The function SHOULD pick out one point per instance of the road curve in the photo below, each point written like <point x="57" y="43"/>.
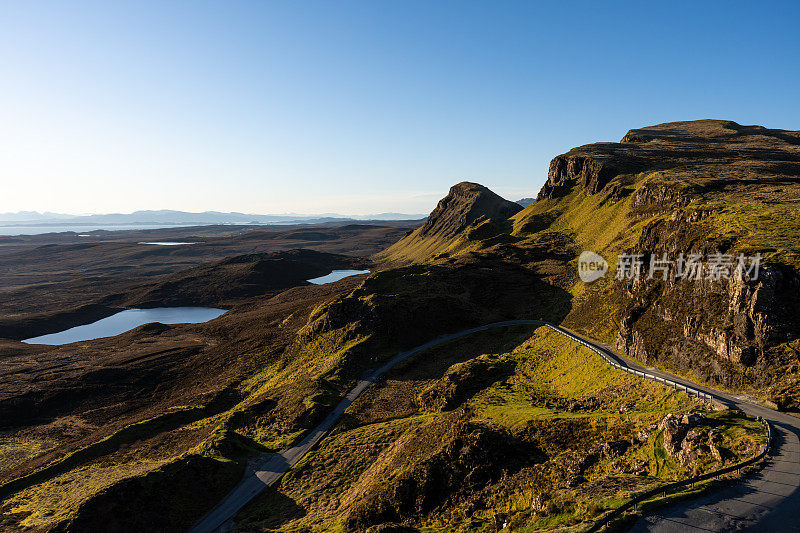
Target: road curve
<point x="767" y="502"/>
<point x="270" y="467"/>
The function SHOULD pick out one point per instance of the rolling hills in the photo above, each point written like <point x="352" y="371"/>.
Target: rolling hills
<point x="513" y="426"/>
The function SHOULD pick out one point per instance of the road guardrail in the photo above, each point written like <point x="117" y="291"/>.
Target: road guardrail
<point x="670" y="487"/>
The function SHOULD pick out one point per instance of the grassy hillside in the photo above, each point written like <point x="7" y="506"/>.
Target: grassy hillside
<point x="705" y="187"/>
<point x="260" y="377"/>
<point x="467" y="206"/>
<point x="536" y="430"/>
<point x="518" y="426"/>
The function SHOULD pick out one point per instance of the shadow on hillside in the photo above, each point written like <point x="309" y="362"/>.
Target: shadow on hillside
<point x="270" y="510"/>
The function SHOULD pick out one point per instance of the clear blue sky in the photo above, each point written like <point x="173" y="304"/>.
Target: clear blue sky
<point x="358" y="107"/>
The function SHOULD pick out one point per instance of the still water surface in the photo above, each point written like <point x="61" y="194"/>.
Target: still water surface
<point x="38" y="230"/>
<point x="336" y="275"/>
<point x="165" y="243"/>
<point x="126" y="321"/>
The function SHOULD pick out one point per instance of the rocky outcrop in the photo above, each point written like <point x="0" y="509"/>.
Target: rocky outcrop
<point x="660" y="197"/>
<point x="718" y="328"/>
<point x="704" y="187"/>
<point x="674" y="432"/>
<point x="590" y="172"/>
<point x="686" y="439"/>
<point x="466" y="205"/>
<point x="715" y="152"/>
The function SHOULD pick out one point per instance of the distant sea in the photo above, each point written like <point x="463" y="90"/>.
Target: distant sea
<point x="38" y="230"/>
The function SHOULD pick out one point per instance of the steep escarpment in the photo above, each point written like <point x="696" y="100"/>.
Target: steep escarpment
<point x="713" y="190"/>
<point x="710" y="189"/>
<point x="712" y="152"/>
<point x="590" y="169"/>
<point x="466" y="205"/>
<point x="737" y="330"/>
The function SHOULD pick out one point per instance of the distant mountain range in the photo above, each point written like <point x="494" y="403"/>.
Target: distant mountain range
<point x="525" y="202"/>
<point x="185" y="218"/>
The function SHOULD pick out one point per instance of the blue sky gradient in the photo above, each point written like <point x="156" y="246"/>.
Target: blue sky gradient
<point x="358" y="107"/>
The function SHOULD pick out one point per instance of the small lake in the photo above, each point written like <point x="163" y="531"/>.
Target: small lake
<point x="336" y="275"/>
<point x="126" y="321"/>
<point x="168" y="243"/>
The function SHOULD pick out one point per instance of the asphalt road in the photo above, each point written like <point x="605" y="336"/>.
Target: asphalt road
<point x="767" y="502"/>
<point x="270" y="467"/>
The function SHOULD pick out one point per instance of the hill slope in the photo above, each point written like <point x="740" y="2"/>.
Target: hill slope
<point x="704" y="187"/>
<point x="466" y="205"/>
<point x="235" y="278"/>
<point x="514" y="425"/>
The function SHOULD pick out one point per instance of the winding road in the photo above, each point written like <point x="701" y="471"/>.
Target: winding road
<point x="768" y="501"/>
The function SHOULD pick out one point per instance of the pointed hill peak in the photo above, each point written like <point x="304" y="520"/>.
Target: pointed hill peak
<point x="465" y="204"/>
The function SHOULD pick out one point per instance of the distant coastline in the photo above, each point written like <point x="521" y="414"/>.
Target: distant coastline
<point x="39" y="229"/>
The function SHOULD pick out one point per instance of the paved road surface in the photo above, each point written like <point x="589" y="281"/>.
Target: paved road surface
<point x="272" y="466"/>
<point x="768" y="502"/>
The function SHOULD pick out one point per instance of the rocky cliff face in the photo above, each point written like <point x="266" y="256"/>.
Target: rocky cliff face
<point x="590" y="172"/>
<point x="737" y="318"/>
<point x="466" y="205"/>
<point x="709" y="151"/>
<point x="708" y="188"/>
<point x="704" y="187"/>
<point x="719" y="329"/>
<point x="463" y="206"/>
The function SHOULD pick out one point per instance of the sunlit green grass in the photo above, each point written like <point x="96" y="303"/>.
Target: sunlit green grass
<point x="549" y="367"/>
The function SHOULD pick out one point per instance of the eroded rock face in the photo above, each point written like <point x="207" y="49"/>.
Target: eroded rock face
<point x="686" y="181"/>
<point x="687" y="440"/>
<point x="660" y="197"/>
<point x="721" y="329"/>
<point x="702" y="149"/>
<point x="674" y="432"/>
<point x="693" y="447"/>
<point x="717" y="328"/>
<point x="592" y="173"/>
